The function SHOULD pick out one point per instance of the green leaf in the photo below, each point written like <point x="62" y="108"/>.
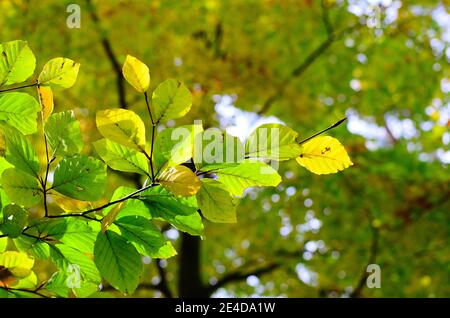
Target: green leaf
<point x="136" y="73"/>
<point x="17" y="62"/>
<point x="162" y="204"/>
<point x="216" y="203"/>
<point x="20" y="153"/>
<point x="145" y="236"/>
<point x="238" y="177"/>
<point x="122" y="126"/>
<point x="218" y="147"/>
<point x="19" y="110"/>
<point x="15" y="219"/>
<point x="59" y="73"/>
<point x="64" y="133"/>
<point x="57" y="284"/>
<point x="70" y="259"/>
<point x="130" y="206"/>
<point x="80" y="177"/>
<point x="172" y="100"/>
<point x="175" y="145"/>
<point x="118" y="261"/>
<point x="21" y="188"/>
<point x="274" y="142"/>
<point x="121" y="158"/>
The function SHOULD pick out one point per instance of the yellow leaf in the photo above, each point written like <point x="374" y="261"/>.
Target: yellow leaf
<point x="19" y="264"/>
<point x="180" y="180"/>
<point x="46" y="99"/>
<point x="122" y="126"/>
<point x="110" y="217"/>
<point x="136" y="73"/>
<point x="324" y="155"/>
<point x="69" y="204"/>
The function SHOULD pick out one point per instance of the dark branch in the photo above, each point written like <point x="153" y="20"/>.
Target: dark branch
<point x="326" y="18"/>
<point x="239" y="275"/>
<point x="107" y="47"/>
<point x="34" y="292"/>
<point x="99" y="208"/>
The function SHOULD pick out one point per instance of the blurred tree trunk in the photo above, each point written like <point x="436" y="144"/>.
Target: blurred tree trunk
<point x="189" y="276"/>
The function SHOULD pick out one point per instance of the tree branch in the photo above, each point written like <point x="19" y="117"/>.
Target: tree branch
<point x="18" y="87"/>
<point x="83" y="214"/>
<point x="326" y="18"/>
<point x="107" y="47"/>
<point x="239" y="275"/>
<point x="34" y="292"/>
<point x="307" y="62"/>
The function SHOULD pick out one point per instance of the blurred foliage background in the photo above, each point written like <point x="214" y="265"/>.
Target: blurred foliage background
<point x="306" y="63"/>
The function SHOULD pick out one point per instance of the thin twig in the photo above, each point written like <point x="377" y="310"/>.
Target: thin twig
<point x="84" y="214"/>
<point x="322" y="131"/>
<point x="150" y="158"/>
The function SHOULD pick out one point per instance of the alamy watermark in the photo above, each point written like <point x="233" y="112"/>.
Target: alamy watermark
<point x="73" y="20"/>
<point x="374" y="278"/>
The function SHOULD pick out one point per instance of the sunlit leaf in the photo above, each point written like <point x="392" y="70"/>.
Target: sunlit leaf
<point x="216" y="203"/>
<point x="20" y="153"/>
<point x="80" y="177"/>
<point x="171" y="100"/>
<point x="121" y="158"/>
<point x="122" y="126"/>
<point x="64" y="133"/>
<point x="19" y="110"/>
<point x="118" y="261"/>
<point x="17" y="62"/>
<point x="21" y="188"/>
<point x="180" y="180"/>
<point x="324" y="155"/>
<point x="238" y="177"/>
<point x="136" y="73"/>
<point x="273" y="141"/>
<point x="145" y="236"/>
<point x="46" y="98"/>
<point x="59" y="73"/>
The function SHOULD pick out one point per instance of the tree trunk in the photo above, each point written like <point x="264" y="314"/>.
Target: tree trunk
<point x="189" y="278"/>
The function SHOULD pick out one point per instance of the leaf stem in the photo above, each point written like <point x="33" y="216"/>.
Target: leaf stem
<point x="150" y="158"/>
<point x="322" y="131"/>
<point x="47" y="168"/>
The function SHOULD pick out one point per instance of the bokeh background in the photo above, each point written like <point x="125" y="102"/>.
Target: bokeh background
<point x="306" y="63"/>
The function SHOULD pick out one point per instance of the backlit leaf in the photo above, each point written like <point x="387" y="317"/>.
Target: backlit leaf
<point x="216" y="203"/>
<point x="15" y="219"/>
<point x="118" y="261"/>
<point x="180" y="180"/>
<point x="324" y="155"/>
<point x="136" y="73"/>
<point x="122" y="126"/>
<point x="46" y="98"/>
<point x="121" y="158"/>
<point x="17" y="62"/>
<point x="80" y="177"/>
<point x="19" y="110"/>
<point x="171" y="100"/>
<point x="64" y="133"/>
<point x="21" y="188"/>
<point x="59" y="73"/>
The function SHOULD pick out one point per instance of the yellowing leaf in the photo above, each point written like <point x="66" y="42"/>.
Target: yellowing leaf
<point x="122" y="126"/>
<point x="324" y="155"/>
<point x="59" y="73"/>
<point x="180" y="180"/>
<point x="46" y="98"/>
<point x="19" y="264"/>
<point x="136" y="73"/>
<point x="69" y="204"/>
<point x="110" y="217"/>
